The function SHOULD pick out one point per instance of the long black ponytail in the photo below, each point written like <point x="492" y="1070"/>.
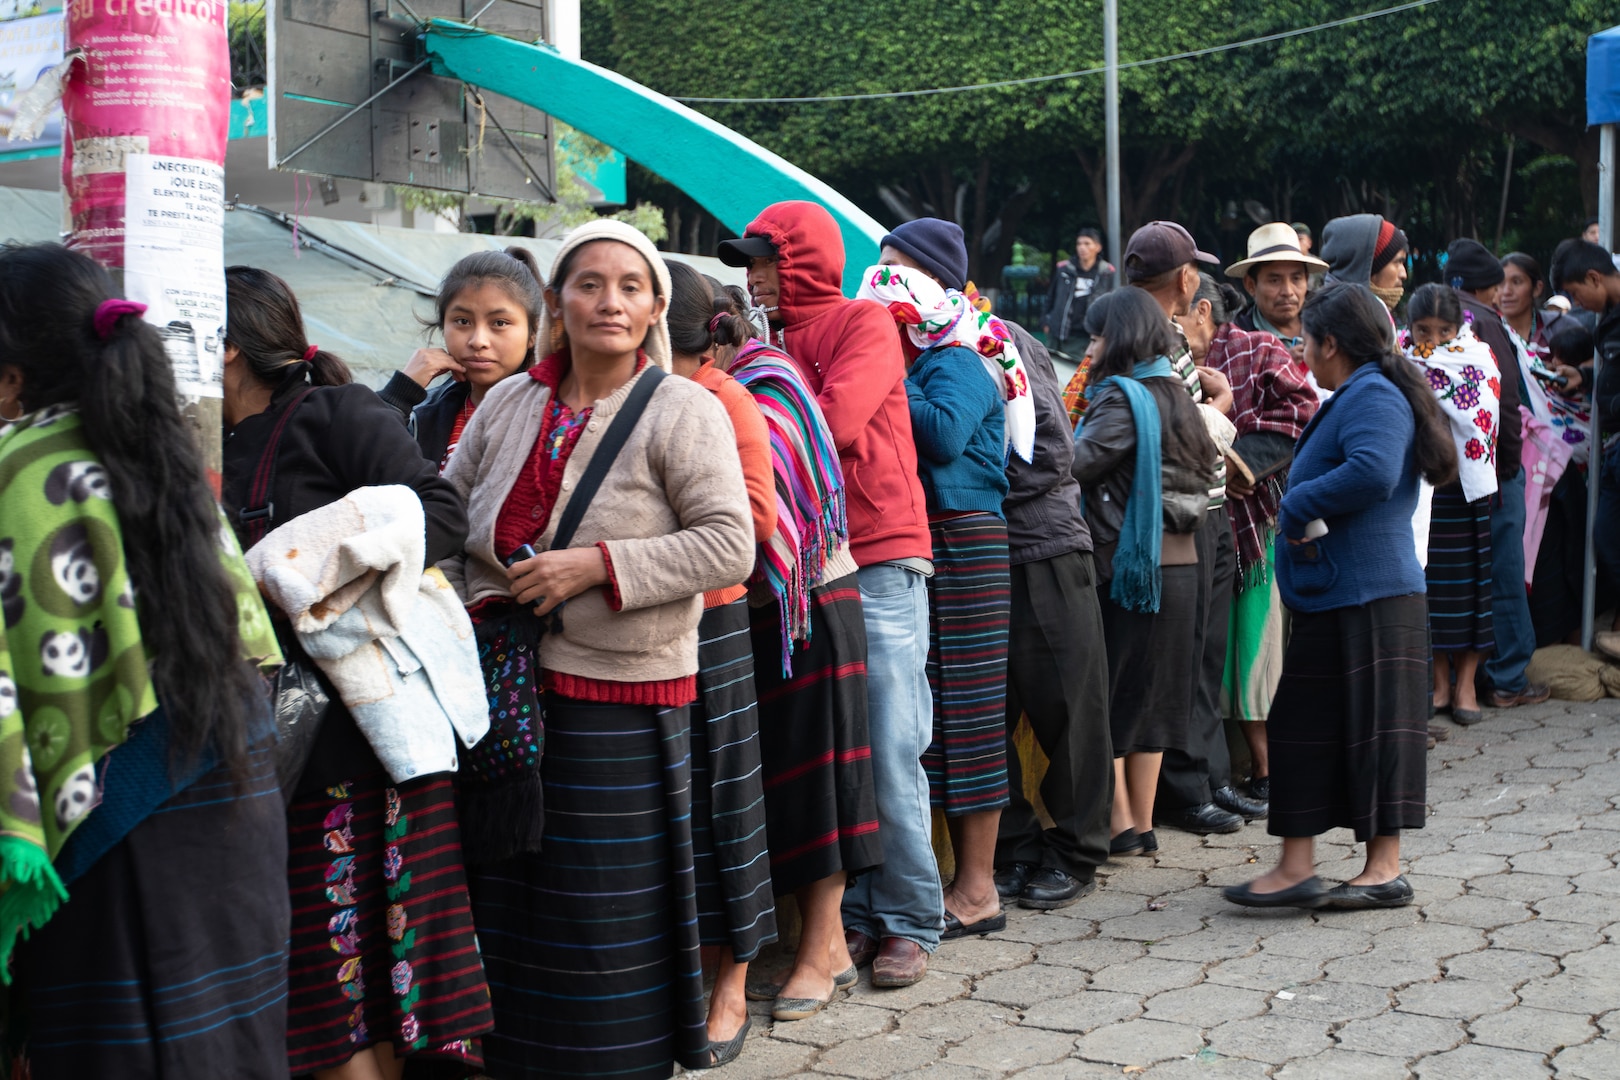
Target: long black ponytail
<point x="1359" y="323"/>
<point x="125" y="390"/>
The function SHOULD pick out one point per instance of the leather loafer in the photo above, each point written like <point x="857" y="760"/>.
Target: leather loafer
<point x="1310" y="893"/>
<point x="1207" y="818"/>
<point x="1051" y="888"/>
<point x="1347" y="897"/>
<point x="1150" y="843"/>
<point x="899" y="963"/>
<point x="1532" y="694"/>
<point x="1128" y="842"/>
<point x="861" y="948"/>
<point x="1010" y="880"/>
<point x="1231" y="800"/>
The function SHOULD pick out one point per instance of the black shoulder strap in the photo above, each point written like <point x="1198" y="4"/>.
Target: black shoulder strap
<point x="255" y="518"/>
<point x="606" y="451"/>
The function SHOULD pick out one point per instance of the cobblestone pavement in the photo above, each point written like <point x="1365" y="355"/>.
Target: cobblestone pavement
<point x="1507" y="966"/>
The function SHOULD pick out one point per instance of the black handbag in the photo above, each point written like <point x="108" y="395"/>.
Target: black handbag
<point x="502" y="802"/>
<point x="300" y="696"/>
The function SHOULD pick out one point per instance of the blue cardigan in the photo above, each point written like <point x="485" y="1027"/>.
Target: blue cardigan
<point x="958" y="420"/>
<point x="1354" y="469"/>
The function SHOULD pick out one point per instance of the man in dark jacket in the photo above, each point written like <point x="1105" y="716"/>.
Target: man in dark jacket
<point x="1587" y="273"/>
<point x="1074" y="286"/>
<point x="1477" y="275"/>
<point x="1056" y="674"/>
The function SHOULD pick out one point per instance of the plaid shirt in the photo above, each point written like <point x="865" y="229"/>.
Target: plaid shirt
<point x="1270" y="393"/>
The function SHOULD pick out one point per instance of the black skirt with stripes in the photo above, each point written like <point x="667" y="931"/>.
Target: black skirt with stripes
<point x="733" y="868"/>
<point x="170" y="956"/>
<point x="820" y="805"/>
<point x="383" y="948"/>
<point x="591" y="944"/>
<point x="1349" y="726"/>
<point x="969" y="608"/>
<point x="1459" y="572"/>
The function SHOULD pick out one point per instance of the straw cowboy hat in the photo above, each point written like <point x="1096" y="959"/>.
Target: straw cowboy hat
<point x="1276" y="242"/>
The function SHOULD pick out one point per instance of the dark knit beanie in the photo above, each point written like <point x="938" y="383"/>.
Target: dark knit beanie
<point x="1471" y="266"/>
<point x="936" y="246"/>
<point x="1391" y="242"/>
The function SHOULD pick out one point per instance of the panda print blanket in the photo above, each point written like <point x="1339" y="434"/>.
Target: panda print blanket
<point x="73" y="671"/>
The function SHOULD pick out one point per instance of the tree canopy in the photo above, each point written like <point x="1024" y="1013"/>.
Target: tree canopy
<point x="1413" y="115"/>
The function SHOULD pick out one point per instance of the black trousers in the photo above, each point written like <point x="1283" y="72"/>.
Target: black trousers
<point x="1186" y="778"/>
<point x="1057" y="675"/>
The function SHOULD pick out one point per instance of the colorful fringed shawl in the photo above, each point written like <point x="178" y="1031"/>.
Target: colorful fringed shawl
<point x="810" y="521"/>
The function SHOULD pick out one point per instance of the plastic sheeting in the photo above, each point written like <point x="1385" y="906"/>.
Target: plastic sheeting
<point x="372" y="318"/>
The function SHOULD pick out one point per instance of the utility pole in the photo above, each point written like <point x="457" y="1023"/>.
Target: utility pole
<point x="146" y="115"/>
<point x="1116" y="243"/>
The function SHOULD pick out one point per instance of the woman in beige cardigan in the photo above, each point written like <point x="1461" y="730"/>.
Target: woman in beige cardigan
<point x="589" y="931"/>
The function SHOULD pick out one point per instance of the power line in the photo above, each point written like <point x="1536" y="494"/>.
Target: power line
<point x="1279" y="36"/>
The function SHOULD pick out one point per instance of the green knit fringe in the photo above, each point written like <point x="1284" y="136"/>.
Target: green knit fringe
<point x="30" y="893"/>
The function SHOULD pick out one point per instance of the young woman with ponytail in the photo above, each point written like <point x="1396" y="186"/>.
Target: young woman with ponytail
<point x="138" y="799"/>
<point x="1348" y="729"/>
<point x="809" y="645"/>
<point x="735" y="912"/>
<point x="384" y="960"/>
<point x="488" y="315"/>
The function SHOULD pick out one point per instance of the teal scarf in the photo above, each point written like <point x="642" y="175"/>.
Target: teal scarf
<point x="1136" y="561"/>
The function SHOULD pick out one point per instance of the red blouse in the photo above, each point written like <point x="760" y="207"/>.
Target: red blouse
<point x="526" y="513"/>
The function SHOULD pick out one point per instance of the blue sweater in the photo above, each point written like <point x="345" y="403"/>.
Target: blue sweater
<point x="1354" y="469"/>
<point x="958" y="420"/>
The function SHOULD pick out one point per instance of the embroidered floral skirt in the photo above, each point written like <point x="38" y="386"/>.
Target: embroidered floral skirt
<point x="382" y="934"/>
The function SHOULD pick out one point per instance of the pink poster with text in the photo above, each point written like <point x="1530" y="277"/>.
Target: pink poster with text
<point x="155" y="80"/>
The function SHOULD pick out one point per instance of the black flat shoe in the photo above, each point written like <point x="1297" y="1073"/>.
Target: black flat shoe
<point x="1128" y="842"/>
<point x="1260" y="788"/>
<point x="955" y="928"/>
<point x="1010" y="880"/>
<point x="1051" y="888"/>
<point x="1310" y="893"/>
<point x="727" y="1052"/>
<point x="1235" y="802"/>
<point x="1207" y="818"/>
<point x="1347" y="897"/>
<point x="1150" y="843"/>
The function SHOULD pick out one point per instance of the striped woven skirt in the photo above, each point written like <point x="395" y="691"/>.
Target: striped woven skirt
<point x="733" y="868"/>
<point x="1349" y="730"/>
<point x="169" y="958"/>
<point x="383" y="948"/>
<point x="820" y="804"/>
<point x="592" y="944"/>
<point x="969" y="605"/>
<point x="1459" y="572"/>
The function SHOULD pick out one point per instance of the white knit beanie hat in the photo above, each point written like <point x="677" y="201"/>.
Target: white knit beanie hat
<point x="657" y="343"/>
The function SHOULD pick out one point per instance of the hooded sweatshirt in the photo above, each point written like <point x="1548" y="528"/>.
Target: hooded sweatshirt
<point x="1348" y="244"/>
<point x="850" y="357"/>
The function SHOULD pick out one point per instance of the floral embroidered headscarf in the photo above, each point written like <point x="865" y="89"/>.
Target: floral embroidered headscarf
<point x="933" y="315"/>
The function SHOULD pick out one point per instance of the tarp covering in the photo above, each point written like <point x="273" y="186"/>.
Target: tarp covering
<point x="371" y="317"/>
<point x="1603" y="77"/>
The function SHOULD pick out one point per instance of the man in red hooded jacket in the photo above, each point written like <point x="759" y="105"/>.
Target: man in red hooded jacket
<point x="850" y="356"/>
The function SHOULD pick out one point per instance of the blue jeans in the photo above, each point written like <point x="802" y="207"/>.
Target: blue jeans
<point x="1510" y="607"/>
<point x="902" y="898"/>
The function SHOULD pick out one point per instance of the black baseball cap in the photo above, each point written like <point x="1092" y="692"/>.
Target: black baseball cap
<point x="1160" y="246"/>
<point x="745" y="250"/>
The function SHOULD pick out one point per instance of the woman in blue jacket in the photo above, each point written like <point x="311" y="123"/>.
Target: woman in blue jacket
<point x="959" y="421"/>
<point x="1349" y="725"/>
